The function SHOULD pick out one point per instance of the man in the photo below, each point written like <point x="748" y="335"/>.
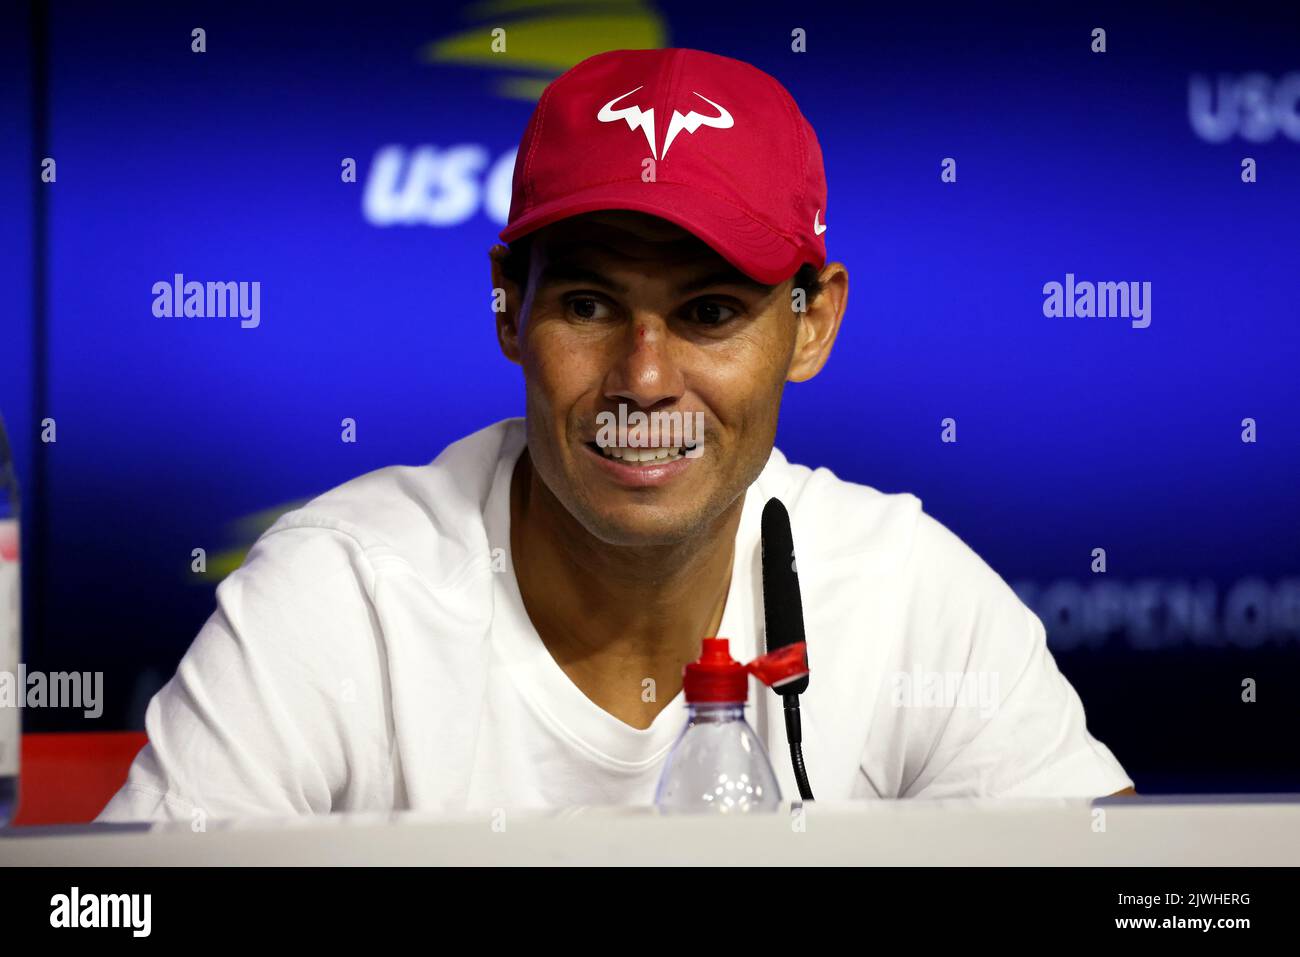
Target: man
<point x="507" y="626"/>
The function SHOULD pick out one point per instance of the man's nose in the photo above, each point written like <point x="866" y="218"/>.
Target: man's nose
<point x="645" y="372"/>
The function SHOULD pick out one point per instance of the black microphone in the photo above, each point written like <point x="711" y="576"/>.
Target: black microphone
<point x="782" y="604"/>
<point x="783" y="622"/>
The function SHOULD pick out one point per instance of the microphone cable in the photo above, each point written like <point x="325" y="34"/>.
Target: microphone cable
<point x="794" y="734"/>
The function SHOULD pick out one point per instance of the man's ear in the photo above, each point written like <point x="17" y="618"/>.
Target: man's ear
<point x="819" y="324"/>
<point x="507" y="303"/>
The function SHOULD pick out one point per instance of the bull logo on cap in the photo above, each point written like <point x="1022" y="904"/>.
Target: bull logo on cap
<point x="635" y="117"/>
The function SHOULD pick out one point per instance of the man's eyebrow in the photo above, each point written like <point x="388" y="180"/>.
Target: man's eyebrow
<point x="559" y="271"/>
<point x="554" y="272"/>
<point x="726" y="277"/>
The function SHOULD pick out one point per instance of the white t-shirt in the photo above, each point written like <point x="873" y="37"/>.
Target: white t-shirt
<point x="373" y="653"/>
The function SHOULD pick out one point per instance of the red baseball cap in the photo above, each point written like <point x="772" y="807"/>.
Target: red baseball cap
<point x="733" y="160"/>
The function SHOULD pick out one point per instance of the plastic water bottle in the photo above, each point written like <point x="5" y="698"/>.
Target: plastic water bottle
<point x="718" y="765"/>
<point x="10" y="633"/>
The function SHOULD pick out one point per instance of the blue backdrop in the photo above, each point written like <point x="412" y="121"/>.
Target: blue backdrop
<point x="1072" y="433"/>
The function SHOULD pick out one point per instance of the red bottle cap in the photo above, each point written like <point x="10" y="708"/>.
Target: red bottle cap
<point x="716" y="676"/>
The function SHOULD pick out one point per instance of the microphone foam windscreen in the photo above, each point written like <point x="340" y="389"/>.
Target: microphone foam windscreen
<point x="782" y="603"/>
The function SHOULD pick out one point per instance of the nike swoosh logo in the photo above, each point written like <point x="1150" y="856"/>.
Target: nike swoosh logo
<point x="818" y="228"/>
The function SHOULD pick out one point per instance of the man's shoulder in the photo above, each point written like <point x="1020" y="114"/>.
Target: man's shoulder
<point x="835" y="519"/>
<point x="879" y="533"/>
<point x="428" y="515"/>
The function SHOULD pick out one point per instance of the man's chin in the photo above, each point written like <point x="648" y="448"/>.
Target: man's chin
<point x="640" y="525"/>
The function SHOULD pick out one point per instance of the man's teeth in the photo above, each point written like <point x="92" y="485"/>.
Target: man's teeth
<point x="642" y="455"/>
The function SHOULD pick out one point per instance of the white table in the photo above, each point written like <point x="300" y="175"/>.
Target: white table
<point x="1207" y="831"/>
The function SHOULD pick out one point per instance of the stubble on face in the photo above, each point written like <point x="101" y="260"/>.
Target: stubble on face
<point x="650" y="355"/>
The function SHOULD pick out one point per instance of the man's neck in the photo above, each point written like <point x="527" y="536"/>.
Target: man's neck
<point x="615" y="616"/>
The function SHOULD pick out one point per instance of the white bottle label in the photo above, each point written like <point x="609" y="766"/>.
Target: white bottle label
<point x="10" y="635"/>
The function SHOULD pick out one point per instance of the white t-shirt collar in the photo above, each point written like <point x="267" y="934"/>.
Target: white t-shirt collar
<point x="540" y="678"/>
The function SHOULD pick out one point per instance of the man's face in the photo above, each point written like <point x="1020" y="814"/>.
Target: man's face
<point x="624" y="308"/>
